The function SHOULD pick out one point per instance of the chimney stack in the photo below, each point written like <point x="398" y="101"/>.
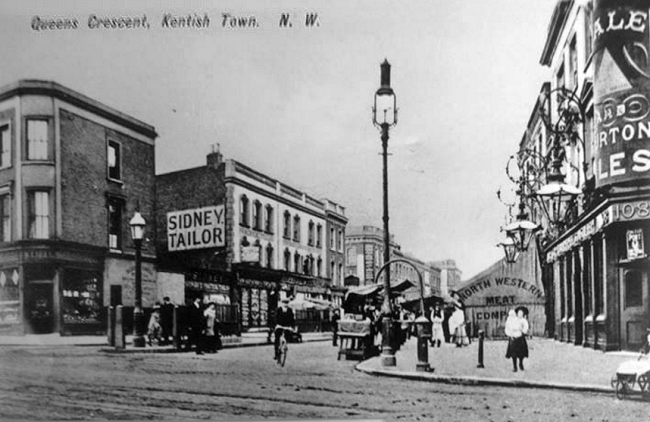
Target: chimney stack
<point x="215" y="158"/>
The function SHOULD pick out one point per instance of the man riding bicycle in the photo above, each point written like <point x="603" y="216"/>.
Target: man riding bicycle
<point x="284" y="322"/>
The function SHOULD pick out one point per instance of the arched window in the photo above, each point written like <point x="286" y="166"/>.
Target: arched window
<point x="319" y="267"/>
<point x="319" y="235"/>
<point x="339" y="240"/>
<point x="332" y="271"/>
<point x="268" y="219"/>
<point x="243" y="210"/>
<point x="287" y="225"/>
<point x="310" y="234"/>
<point x="257" y="215"/>
<point x="332" y="239"/>
<point x="296" y="228"/>
<point x="340" y="274"/>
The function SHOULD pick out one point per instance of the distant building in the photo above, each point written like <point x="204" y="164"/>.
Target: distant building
<point x="72" y="173"/>
<point x="365" y="257"/>
<point x="450" y="275"/>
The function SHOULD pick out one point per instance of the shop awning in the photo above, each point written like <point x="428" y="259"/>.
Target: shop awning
<point x="364" y="291"/>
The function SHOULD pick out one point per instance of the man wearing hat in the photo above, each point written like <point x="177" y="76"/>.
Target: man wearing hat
<point x="284" y="321"/>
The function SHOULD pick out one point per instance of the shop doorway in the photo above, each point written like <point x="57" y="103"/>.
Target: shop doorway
<point x="40" y="308"/>
<point x="635" y="308"/>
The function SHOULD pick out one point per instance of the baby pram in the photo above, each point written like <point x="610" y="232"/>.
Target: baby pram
<point x="633" y="376"/>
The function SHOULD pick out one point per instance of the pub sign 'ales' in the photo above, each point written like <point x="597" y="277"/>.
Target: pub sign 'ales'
<point x="621" y="145"/>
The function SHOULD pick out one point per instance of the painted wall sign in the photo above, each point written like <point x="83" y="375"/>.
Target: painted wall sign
<point x="500" y="291"/>
<point x="621" y="147"/>
<point x="250" y="254"/>
<point x="196" y="228"/>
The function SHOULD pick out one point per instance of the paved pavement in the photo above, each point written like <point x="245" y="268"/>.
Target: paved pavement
<point x="551" y="364"/>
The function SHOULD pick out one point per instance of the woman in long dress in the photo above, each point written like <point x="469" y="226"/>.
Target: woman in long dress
<point x="516" y="330"/>
<point x="457" y="326"/>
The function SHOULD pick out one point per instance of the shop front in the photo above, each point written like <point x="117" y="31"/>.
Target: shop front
<point x="49" y="287"/>
<point x="600" y="268"/>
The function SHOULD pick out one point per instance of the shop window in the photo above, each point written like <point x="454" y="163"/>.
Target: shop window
<point x="5" y="147"/>
<point x="81" y="297"/>
<point x="5" y="218"/>
<point x="243" y="210"/>
<point x="37" y="139"/>
<point x="114" y="160"/>
<point x="268" y="219"/>
<point x="633" y="289"/>
<point x="9" y="296"/>
<point x="115" y="210"/>
<point x="38" y="216"/>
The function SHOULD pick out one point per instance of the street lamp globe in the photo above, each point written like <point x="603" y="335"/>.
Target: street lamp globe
<point x="384" y="111"/>
<point x="509" y="249"/>
<point x="137" y="224"/>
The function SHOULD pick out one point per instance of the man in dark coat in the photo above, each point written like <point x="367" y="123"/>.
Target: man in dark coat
<point x="283" y="319"/>
<point x="335" y="326"/>
<point x="166" y="319"/>
<point x="196" y="326"/>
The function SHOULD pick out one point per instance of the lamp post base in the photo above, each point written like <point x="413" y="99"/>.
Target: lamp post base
<point x="387" y="351"/>
<point x="138" y="325"/>
<point x="388" y="360"/>
<point x="423" y="367"/>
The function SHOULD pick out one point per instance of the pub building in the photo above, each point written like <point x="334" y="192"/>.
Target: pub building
<point x="597" y="261"/>
<point x="72" y="173"/>
<point x="245" y="240"/>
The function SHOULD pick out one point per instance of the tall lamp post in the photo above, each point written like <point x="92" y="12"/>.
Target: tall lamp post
<point x="384" y="116"/>
<point x="137" y="224"/>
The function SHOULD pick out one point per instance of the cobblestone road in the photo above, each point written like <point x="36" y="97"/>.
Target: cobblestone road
<point x="41" y="383"/>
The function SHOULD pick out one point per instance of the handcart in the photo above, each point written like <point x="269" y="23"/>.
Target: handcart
<point x="633" y="376"/>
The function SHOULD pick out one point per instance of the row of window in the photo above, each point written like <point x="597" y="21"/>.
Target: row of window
<point x="260" y="217"/>
<point x="295" y="262"/>
<point x="37" y="147"/>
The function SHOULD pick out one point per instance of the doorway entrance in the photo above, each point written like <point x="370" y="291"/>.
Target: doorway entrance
<point x="635" y="308"/>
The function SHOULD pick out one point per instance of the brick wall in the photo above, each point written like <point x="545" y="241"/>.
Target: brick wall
<point x="85" y="186"/>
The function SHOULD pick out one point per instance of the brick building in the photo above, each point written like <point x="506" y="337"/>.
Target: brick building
<point x="72" y="173"/>
<point x="275" y="241"/>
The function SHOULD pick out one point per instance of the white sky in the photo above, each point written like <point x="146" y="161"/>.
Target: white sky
<point x="296" y="103"/>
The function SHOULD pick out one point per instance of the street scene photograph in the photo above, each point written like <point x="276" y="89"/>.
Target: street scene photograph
<point x="309" y="210"/>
